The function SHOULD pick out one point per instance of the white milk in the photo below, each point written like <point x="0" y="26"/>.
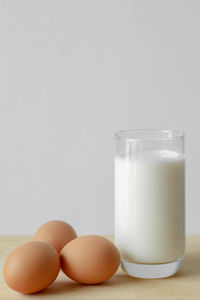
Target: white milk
<point x="149" y="206"/>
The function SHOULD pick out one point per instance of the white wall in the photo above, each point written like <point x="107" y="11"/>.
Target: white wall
<point x="71" y="74"/>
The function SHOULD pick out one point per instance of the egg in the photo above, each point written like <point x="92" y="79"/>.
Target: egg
<point x="31" y="267"/>
<point x="90" y="259"/>
<point x="56" y="233"/>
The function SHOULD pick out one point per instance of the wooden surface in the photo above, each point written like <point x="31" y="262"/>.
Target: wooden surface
<point x="184" y="285"/>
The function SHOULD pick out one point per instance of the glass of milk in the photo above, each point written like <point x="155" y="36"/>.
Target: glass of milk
<point x="150" y="201"/>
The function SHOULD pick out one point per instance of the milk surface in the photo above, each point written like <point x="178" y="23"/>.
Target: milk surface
<point x="149" y="206"/>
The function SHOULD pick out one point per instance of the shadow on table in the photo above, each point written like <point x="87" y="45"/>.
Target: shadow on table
<point x="62" y="286"/>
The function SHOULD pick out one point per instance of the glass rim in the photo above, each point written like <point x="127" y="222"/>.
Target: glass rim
<point x="145" y="135"/>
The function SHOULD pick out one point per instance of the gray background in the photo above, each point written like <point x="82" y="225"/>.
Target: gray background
<point x="71" y="74"/>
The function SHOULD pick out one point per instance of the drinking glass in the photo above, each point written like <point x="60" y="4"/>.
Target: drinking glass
<point x="150" y="201"/>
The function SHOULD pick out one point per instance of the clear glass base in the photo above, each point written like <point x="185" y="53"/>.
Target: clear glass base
<point x="151" y="270"/>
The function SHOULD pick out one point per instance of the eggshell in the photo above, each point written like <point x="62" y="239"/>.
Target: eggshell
<point x="90" y="259"/>
<point x="31" y="267"/>
<point x="56" y="233"/>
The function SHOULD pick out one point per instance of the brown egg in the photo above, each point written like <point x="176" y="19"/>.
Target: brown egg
<point x="90" y="259"/>
<point x="56" y="233"/>
<point x="31" y="267"/>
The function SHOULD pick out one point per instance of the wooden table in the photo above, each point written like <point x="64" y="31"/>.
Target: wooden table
<point x="184" y="285"/>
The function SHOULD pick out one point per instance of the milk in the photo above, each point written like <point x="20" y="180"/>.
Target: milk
<point x="149" y="206"/>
